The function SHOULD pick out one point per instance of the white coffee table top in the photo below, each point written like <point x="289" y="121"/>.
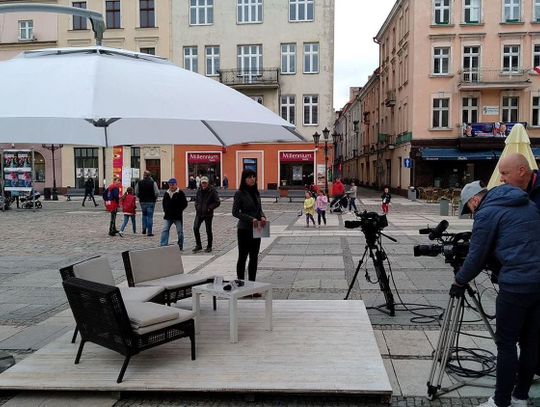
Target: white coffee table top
<point x="249" y="288"/>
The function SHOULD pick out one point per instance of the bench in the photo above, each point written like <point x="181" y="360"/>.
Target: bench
<point x="70" y="192"/>
<point x="296" y="194"/>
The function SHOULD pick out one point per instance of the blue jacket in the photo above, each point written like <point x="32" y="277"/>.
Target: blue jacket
<point x="506" y="225"/>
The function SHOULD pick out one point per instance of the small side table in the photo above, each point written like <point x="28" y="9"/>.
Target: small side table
<point x="249" y="288"/>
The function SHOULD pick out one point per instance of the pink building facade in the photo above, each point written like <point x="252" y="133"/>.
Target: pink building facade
<point x="454" y="76"/>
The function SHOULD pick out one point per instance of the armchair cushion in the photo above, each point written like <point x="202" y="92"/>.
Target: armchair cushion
<point x="174" y="282"/>
<point x="141" y="294"/>
<point x="142" y="314"/>
<point x="155" y="263"/>
<point x="96" y="269"/>
<point x="184" y="315"/>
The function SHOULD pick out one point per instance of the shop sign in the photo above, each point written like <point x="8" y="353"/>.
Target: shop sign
<point x="203" y="158"/>
<point x="296" y="157"/>
<point x="490" y="110"/>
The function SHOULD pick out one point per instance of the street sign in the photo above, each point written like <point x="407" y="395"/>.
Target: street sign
<point x="407" y="163"/>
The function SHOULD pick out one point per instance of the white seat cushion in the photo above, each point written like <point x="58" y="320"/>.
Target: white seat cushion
<point x="158" y="262"/>
<point x="142" y="314"/>
<point x="140" y="294"/>
<point x="183" y="315"/>
<point x="97" y="270"/>
<point x="174" y="282"/>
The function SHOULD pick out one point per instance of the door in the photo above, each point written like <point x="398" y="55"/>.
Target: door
<point x="154" y="166"/>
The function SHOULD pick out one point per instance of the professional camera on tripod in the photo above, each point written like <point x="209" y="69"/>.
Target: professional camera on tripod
<point x="372" y="224"/>
<point x="454" y="247"/>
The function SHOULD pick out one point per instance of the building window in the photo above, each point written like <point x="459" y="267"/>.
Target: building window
<point x="26" y="30"/>
<point x="288" y="58"/>
<point x="536" y="111"/>
<point x="472" y="11"/>
<point x="471" y="63"/>
<point x="510" y="109"/>
<point x="536" y="56"/>
<point x="86" y="165"/>
<point x="311" y="58"/>
<point x="510" y="58"/>
<point x="148" y="50"/>
<point x="441" y="60"/>
<point x="440" y="113"/>
<point x="258" y="99"/>
<point x="311" y="110"/>
<point x="39" y="167"/>
<point x="470" y="110"/>
<point x="79" y="23"/>
<point x="191" y="59"/>
<point x="147" y="13"/>
<point x="301" y="10"/>
<point x="212" y="60"/>
<point x="249" y="61"/>
<point x="201" y="12"/>
<point x="536" y="5"/>
<point x="113" y="14"/>
<point x="441" y="11"/>
<point x="249" y="11"/>
<point x="288" y="108"/>
<point x="512" y="11"/>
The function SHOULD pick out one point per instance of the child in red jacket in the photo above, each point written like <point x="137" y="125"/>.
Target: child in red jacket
<point x="129" y="205"/>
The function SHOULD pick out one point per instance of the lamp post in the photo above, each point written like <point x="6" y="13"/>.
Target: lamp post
<point x="316" y="139"/>
<point x="52" y="148"/>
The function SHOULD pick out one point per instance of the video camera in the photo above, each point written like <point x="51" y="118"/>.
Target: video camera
<point x="453" y="246"/>
<point x="370" y="222"/>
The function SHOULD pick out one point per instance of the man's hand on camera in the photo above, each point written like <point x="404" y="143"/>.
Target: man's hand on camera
<point x="457" y="291"/>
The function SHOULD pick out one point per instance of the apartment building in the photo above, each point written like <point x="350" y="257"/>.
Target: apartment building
<point x="278" y="52"/>
<point x="454" y="77"/>
<point x="346" y="137"/>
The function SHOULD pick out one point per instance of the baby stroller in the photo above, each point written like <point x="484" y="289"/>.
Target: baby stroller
<point x="31" y="199"/>
<point x="340" y="205"/>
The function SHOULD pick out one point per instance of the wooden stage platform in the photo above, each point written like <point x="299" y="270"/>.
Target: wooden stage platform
<point x="315" y="347"/>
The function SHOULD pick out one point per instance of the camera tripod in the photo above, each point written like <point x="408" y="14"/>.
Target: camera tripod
<point x="449" y="330"/>
<point x="377" y="255"/>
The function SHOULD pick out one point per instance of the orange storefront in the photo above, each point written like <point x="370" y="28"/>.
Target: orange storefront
<point x="287" y="165"/>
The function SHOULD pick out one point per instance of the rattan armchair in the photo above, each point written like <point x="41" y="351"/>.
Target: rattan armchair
<point x="102" y="318"/>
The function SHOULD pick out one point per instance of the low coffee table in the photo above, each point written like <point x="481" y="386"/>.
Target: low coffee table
<point x="249" y="288"/>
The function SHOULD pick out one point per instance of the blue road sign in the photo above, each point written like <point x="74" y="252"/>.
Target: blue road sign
<point x="407" y="163"/>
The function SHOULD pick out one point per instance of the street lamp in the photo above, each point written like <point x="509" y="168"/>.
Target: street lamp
<point x="316" y="139"/>
<point x="52" y="148"/>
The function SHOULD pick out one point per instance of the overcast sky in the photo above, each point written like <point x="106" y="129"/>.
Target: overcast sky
<point x="356" y="55"/>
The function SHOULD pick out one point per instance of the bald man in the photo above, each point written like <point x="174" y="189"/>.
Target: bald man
<point x="515" y="171"/>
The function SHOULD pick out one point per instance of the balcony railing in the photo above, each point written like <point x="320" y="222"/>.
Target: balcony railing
<point x="493" y="78"/>
<point x="250" y="78"/>
<point x="390" y="98"/>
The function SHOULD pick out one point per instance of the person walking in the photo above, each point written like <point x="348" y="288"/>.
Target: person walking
<point x="309" y="208"/>
<point x="111" y="198"/>
<point x="174" y="203"/>
<point x="89" y="187"/>
<point x="321" y="204"/>
<point x="353" y="190"/>
<point x="206" y="200"/>
<point x="338" y="191"/>
<point x="147" y="191"/>
<point x="386" y="198"/>
<point x="505" y="228"/>
<point x="129" y="207"/>
<point x="225" y="182"/>
<point x="248" y="209"/>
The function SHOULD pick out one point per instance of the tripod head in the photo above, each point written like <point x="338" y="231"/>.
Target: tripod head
<point x="371" y="224"/>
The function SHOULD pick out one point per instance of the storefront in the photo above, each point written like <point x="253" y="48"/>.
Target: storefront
<point x="296" y="168"/>
<point x="205" y="163"/>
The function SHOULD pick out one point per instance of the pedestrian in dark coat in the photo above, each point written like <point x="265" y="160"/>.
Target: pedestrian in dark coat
<point x="89" y="187"/>
<point x="174" y="203"/>
<point x="206" y="200"/>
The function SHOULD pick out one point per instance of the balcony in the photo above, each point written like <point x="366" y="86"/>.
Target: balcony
<point x="390" y="98"/>
<point x="477" y="79"/>
<point x="249" y="79"/>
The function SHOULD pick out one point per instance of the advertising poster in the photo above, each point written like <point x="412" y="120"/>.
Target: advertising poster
<point x="17" y="166"/>
<point x="118" y="162"/>
<point x="297" y="173"/>
<point x="321" y="180"/>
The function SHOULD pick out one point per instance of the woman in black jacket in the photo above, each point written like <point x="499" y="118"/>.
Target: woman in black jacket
<point x="247" y="208"/>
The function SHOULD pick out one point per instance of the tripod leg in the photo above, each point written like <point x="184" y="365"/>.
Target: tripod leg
<point x="356" y="273"/>
<point x="444" y="344"/>
<point x="478" y="306"/>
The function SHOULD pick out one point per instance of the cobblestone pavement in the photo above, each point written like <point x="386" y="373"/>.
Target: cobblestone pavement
<point x="301" y="263"/>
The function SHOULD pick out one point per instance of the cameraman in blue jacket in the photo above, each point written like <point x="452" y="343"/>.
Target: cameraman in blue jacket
<point x="506" y="225"/>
